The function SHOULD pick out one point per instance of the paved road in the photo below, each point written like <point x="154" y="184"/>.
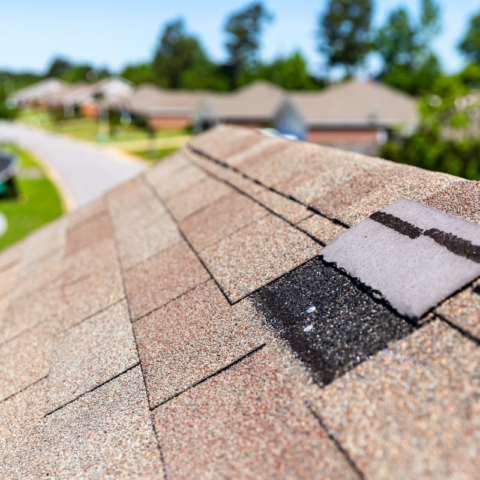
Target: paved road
<point x="85" y="170"/>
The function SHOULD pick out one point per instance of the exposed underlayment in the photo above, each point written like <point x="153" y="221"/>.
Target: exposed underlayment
<point x="224" y="316"/>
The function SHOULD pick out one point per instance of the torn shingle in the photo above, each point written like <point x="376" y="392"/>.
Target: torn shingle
<point x="327" y="320"/>
<point x="415" y="255"/>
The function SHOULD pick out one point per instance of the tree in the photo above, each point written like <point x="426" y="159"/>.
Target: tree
<point x="470" y="45"/>
<point x="244" y="30"/>
<point x="396" y="41"/>
<point x="405" y="47"/>
<point x="139" y="73"/>
<point x="58" y="67"/>
<point x="289" y="72"/>
<point x="177" y="52"/>
<point x="344" y="33"/>
<point x="77" y="73"/>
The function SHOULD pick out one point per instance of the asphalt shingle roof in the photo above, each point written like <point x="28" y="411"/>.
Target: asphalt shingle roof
<point x="187" y="325"/>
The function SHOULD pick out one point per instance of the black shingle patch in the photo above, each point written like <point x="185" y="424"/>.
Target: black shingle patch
<point x="346" y="327"/>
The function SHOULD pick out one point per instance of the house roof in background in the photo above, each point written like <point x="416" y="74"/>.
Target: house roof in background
<point x="257" y="101"/>
<point x="39" y="90"/>
<point x="149" y="99"/>
<point x="187" y="325"/>
<point x="355" y="103"/>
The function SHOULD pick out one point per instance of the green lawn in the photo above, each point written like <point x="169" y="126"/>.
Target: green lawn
<point x="87" y="128"/>
<point x="156" y="155"/>
<point x="37" y="201"/>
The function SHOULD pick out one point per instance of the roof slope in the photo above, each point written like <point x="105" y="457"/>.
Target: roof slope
<point x="356" y="102"/>
<point x="257" y="101"/>
<point x="186" y="325"/>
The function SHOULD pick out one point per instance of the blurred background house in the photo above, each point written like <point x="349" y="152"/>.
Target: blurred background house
<point x="354" y="115"/>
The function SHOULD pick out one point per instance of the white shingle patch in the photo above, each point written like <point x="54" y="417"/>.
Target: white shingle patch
<point x="415" y="255"/>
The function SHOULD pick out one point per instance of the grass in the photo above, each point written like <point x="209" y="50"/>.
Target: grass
<point x="156" y="155"/>
<point x="43" y="203"/>
<point x="87" y="128"/>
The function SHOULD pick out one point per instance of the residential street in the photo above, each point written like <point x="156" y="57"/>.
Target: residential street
<point x="85" y="171"/>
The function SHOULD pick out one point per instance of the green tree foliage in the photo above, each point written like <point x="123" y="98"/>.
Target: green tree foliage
<point x="344" y="33"/>
<point x="404" y="45"/>
<point x="139" y="73"/>
<point x="470" y="45"/>
<point x="8" y="111"/>
<point x="448" y="137"/>
<point x="58" y="67"/>
<point x="177" y="53"/>
<point x="244" y="30"/>
<point x="289" y="72"/>
<point x="79" y="73"/>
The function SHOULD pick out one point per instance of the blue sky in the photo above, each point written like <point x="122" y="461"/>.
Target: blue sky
<point x="117" y="32"/>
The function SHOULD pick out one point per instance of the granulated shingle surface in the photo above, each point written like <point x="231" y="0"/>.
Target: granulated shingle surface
<point x="260" y="149"/>
<point x="87" y="213"/>
<point x="220" y="219"/>
<point x="89" y="232"/>
<point x="244" y="423"/>
<point x="321" y="228"/>
<point x="463" y="309"/>
<point x="413" y="410"/>
<point x="89" y="295"/>
<point x="292" y="211"/>
<point x="40" y="274"/>
<point x="281" y="365"/>
<point x="43" y="243"/>
<point x="24" y="360"/>
<point x="131" y="193"/>
<point x="163" y="278"/>
<point x="407" y="182"/>
<point x="345" y="327"/>
<point x="8" y="279"/>
<point x="178" y="181"/>
<point x="240" y="139"/>
<point x="22" y="453"/>
<point x="142" y="230"/>
<point x="104" y="434"/>
<point x="27" y="311"/>
<point x="11" y="255"/>
<point x="257" y="254"/>
<point x="191" y="338"/>
<point x="89" y="354"/>
<point x="461" y="198"/>
<point x="168" y="167"/>
<point x="101" y="257"/>
<point x="196" y="198"/>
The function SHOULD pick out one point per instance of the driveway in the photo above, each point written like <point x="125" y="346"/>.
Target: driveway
<point x="84" y="172"/>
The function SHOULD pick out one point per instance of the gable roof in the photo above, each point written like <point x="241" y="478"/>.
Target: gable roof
<point x="186" y="324"/>
<point x="257" y="101"/>
<point x="39" y="90"/>
<point x="355" y="103"/>
<point x="150" y="100"/>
